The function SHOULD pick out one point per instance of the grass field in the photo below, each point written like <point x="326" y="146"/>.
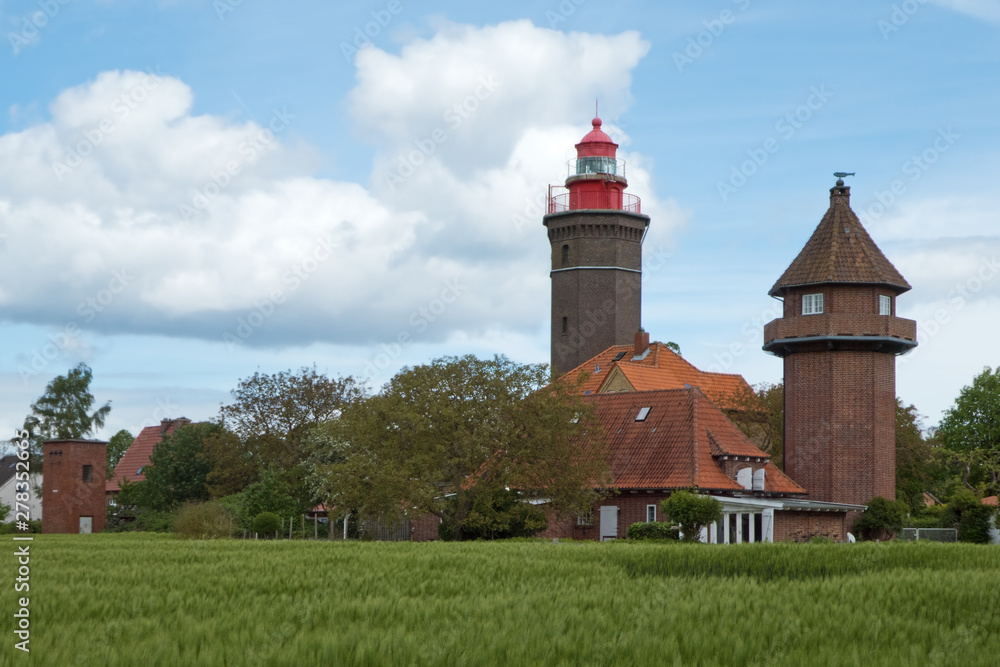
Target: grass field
<point x="155" y="600"/>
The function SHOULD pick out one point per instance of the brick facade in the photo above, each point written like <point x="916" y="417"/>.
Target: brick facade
<point x="839" y="363"/>
<point x="66" y="497"/>
<point x="790" y="526"/>
<point x="596" y="282"/>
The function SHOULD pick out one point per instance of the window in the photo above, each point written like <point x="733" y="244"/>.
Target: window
<point x="565" y="325"/>
<point x="812" y="304"/>
<point x="884" y="305"/>
<point x="565" y="255"/>
<point x="650" y="513"/>
<point x="88" y="473"/>
<point x="112" y="502"/>
<point x="585" y="519"/>
<point x="643" y="413"/>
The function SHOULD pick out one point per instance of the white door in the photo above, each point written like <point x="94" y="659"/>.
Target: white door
<point x="609" y="522"/>
<point x="86" y="525"/>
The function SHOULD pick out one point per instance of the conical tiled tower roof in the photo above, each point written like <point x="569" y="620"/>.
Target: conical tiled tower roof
<point x="840" y="251"/>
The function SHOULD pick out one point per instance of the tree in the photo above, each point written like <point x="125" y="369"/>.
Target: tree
<point x="966" y="512"/>
<point x="268" y="425"/>
<point x="971" y="430"/>
<point x="177" y="469"/>
<point x="117" y="446"/>
<point x="692" y="512"/>
<point x="916" y="464"/>
<point x="881" y="520"/>
<point x="760" y="414"/>
<point x="442" y="435"/>
<point x="63" y="411"/>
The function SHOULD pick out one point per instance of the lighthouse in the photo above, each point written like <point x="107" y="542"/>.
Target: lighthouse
<point x="839" y="337"/>
<point x="595" y="230"/>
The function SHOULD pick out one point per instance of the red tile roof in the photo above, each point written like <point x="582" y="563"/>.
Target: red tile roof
<point x="137" y="455"/>
<point x="989" y="500"/>
<point x="660" y="368"/>
<point x="840" y="251"/>
<point x="679" y="443"/>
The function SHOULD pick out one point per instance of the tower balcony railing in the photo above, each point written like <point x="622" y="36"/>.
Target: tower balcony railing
<point x="594" y="165"/>
<point x="608" y="200"/>
<point x="840" y="324"/>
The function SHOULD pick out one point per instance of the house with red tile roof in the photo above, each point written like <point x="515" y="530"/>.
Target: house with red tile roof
<point x="645" y="366"/>
<point x="665" y="440"/>
<point x="137" y="456"/>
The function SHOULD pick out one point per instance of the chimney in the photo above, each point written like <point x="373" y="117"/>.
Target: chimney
<point x="165" y="424"/>
<point x="641" y="342"/>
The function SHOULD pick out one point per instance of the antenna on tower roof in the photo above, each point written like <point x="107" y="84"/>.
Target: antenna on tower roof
<point x="597" y="113"/>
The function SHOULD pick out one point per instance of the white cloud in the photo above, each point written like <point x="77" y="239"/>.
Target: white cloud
<point x="124" y="178"/>
<point x="988" y="10"/>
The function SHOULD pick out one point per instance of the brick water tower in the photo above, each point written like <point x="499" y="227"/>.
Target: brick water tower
<point x="839" y="337"/>
<point x="596" y="230"/>
<point x="73" y="496"/>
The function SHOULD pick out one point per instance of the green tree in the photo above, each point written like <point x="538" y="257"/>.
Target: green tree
<point x="4" y="512"/>
<point x="966" y="512"/>
<point x="117" y="446"/>
<point x="760" y="414"/>
<point x="971" y="431"/>
<point x="268" y="424"/>
<point x="440" y="436"/>
<point x="881" y="520"/>
<point x="64" y="411"/>
<point x="177" y="470"/>
<point x="916" y="464"/>
<point x="692" y="512"/>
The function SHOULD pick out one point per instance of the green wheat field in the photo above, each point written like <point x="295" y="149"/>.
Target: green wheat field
<point x="132" y="599"/>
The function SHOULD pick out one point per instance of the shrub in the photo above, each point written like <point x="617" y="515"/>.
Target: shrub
<point x="882" y="520"/>
<point x="502" y="514"/>
<point x="204" y="521"/>
<point x="692" y="511"/>
<point x="266" y="523"/>
<point x="974" y="526"/>
<point x="653" y="530"/>
<point x="153" y="521"/>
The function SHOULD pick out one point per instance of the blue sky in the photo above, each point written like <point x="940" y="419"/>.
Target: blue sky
<point x="192" y="191"/>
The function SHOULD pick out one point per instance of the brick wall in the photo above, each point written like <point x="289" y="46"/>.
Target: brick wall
<point x="803" y="526"/>
<point x="424" y="528"/>
<point x="65" y="496"/>
<point x="602" y="307"/>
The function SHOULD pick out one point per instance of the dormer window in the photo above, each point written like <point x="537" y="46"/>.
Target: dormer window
<point x="884" y="305"/>
<point x="812" y="304"/>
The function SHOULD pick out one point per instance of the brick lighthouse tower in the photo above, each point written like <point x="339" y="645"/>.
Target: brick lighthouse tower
<point x="596" y="231"/>
<point x="839" y="338"/>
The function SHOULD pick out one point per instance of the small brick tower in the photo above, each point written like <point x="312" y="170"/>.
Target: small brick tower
<point x="839" y="338"/>
<point x="73" y="498"/>
<point x="596" y="231"/>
